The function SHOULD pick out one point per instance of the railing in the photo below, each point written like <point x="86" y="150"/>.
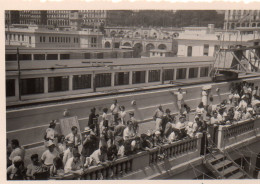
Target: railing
<point x="174" y="149"/>
<point x="125" y="165"/>
<point x="232" y="134"/>
<point x="239" y="128"/>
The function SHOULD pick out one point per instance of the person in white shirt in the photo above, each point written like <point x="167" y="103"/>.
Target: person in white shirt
<point x="180" y="95"/>
<point x="158" y="116"/>
<point x="74" y="137"/>
<point x="200" y="109"/>
<point x="237" y="114"/>
<point x="74" y="165"/>
<point x="49" y="155"/>
<point x="215" y="120"/>
<point x="51" y="133"/>
<point x="68" y="153"/>
<point x="122" y="115"/>
<point x="243" y="103"/>
<point x="172" y="137"/>
<point x="114" y="108"/>
<point x="204" y="98"/>
<point x="99" y="156"/>
<point x="121" y="148"/>
<point x="16" y="150"/>
<point x="128" y="131"/>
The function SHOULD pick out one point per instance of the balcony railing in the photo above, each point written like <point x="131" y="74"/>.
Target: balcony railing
<point x="141" y="160"/>
<point x="232" y="134"/>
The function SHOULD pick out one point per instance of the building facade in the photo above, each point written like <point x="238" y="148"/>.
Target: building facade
<point x="58" y="17"/>
<point x="241" y="18"/>
<point x="93" y="18"/>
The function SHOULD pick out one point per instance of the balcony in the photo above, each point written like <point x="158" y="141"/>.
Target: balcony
<point x="177" y="159"/>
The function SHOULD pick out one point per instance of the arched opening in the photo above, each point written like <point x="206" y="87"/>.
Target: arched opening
<point x="138" y="48"/>
<point x="107" y="45"/>
<point x="243" y="25"/>
<point x="189" y="51"/>
<point x="149" y="47"/>
<point x="127" y="44"/>
<point x="162" y="47"/>
<point x="121" y="32"/>
<point x="254" y="25"/>
<point x="258" y="25"/>
<point x="238" y="25"/>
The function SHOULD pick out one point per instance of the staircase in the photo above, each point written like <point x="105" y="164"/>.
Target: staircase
<point x="223" y="167"/>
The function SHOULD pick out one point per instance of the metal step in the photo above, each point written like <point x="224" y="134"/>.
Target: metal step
<point x="222" y="165"/>
<point x="216" y="158"/>
<point x="238" y="175"/>
<point x="230" y="171"/>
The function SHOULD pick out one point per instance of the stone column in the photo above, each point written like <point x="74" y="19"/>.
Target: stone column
<point x="70" y="82"/>
<point x="46" y="87"/>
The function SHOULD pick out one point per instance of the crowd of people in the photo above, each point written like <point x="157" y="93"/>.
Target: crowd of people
<point x="106" y="139"/>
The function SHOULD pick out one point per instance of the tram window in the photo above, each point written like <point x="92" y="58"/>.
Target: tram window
<point x="87" y="56"/>
<point x="181" y="73"/>
<point x="206" y="50"/>
<point x="25" y="57"/>
<point x="204" y="71"/>
<point x="57" y="84"/>
<point x="64" y="56"/>
<point x="52" y="56"/>
<point x="193" y="72"/>
<point x="32" y="86"/>
<point x="121" y="78"/>
<point x="39" y="56"/>
<point x="154" y="75"/>
<point x="10" y="57"/>
<point x="138" y="77"/>
<point x="10" y="87"/>
<point x="168" y="74"/>
<point x="103" y="80"/>
<point x="81" y="81"/>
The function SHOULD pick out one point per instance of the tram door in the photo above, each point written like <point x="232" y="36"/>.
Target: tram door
<point x="189" y="51"/>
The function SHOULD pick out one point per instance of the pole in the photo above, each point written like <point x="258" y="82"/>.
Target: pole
<point x="19" y="74"/>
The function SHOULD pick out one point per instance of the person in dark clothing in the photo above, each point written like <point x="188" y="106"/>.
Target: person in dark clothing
<point x="167" y="119"/>
<point x="92" y="120"/>
<point x="112" y="153"/>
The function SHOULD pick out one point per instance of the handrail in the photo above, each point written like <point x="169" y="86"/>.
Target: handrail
<point x="124" y="165"/>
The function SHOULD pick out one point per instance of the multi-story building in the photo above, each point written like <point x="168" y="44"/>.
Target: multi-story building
<point x="241" y="18"/>
<point x="93" y="17"/>
<point x="38" y="37"/>
<point x="12" y="17"/>
<point x="58" y="17"/>
<point x="38" y="17"/>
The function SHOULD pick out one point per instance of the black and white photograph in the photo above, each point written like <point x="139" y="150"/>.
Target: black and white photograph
<point x="132" y="94"/>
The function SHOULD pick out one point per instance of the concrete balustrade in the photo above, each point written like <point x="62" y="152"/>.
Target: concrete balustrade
<point x="229" y="135"/>
<point x="142" y="163"/>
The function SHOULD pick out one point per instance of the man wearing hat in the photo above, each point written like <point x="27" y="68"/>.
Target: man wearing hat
<point x="74" y="137"/>
<point x="168" y="119"/>
<point x="89" y="143"/>
<point x="49" y="154"/>
<point x="51" y="133"/>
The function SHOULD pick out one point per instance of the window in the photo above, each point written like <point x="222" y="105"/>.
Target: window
<point x="161" y="54"/>
<point x="52" y="56"/>
<point x="30" y="40"/>
<point x="22" y="37"/>
<point x="181" y="73"/>
<point x="49" y="39"/>
<point x="103" y="80"/>
<point x="153" y="53"/>
<point x="87" y="56"/>
<point x="206" y="50"/>
<point x="154" y="75"/>
<point x="52" y="39"/>
<point x="39" y="56"/>
<point x="121" y="78"/>
<point x="43" y="38"/>
<point x="138" y="77"/>
<point x="10" y="87"/>
<point x="93" y="42"/>
<point x="25" y="57"/>
<point x="100" y="55"/>
<point x="40" y="39"/>
<point x="204" y="71"/>
<point x="18" y="37"/>
<point x="57" y="84"/>
<point x="10" y="57"/>
<point x="193" y="72"/>
<point x="81" y="81"/>
<point x="64" y="56"/>
<point x="32" y="86"/>
<point x="55" y="39"/>
<point x="168" y="74"/>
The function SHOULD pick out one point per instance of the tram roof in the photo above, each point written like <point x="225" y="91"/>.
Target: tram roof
<point x="106" y="63"/>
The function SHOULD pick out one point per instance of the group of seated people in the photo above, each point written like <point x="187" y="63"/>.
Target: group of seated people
<point x="104" y="141"/>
